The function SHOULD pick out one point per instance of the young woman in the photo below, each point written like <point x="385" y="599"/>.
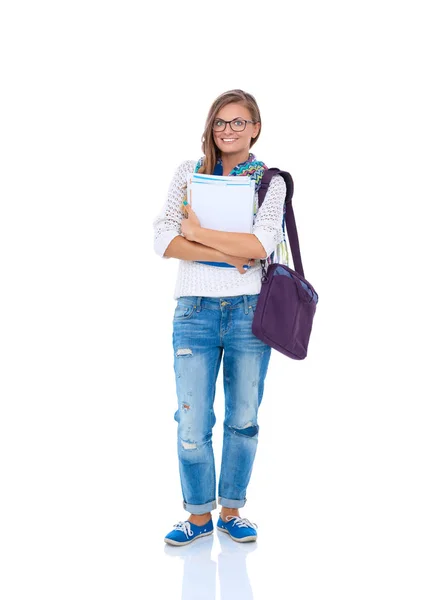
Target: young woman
<point x="213" y="318"/>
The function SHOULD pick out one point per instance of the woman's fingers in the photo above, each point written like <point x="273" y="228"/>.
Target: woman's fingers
<point x="187" y="209"/>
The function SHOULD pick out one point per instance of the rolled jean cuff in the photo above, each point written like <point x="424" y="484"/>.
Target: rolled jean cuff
<point x="229" y="503"/>
<point x="200" y="509"/>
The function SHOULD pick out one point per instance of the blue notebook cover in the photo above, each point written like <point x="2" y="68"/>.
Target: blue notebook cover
<point x="219" y="264"/>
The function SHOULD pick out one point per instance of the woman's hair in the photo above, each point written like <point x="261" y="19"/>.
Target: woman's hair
<point x="209" y="148"/>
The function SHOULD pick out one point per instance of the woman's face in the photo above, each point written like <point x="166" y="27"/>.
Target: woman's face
<point x="232" y="141"/>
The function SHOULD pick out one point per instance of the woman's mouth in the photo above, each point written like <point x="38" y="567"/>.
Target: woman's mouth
<point x="229" y="140"/>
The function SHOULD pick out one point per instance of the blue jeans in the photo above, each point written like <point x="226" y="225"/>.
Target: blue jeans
<point x="204" y="329"/>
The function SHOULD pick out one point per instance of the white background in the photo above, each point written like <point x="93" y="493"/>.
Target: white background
<point x="100" y="102"/>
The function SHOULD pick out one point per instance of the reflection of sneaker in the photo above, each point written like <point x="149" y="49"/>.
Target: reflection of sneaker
<point x="185" y="532"/>
<point x="240" y="530"/>
<point x="229" y="548"/>
<point x="201" y="551"/>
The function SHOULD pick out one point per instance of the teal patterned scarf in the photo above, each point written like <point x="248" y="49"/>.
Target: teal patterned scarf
<point x="254" y="169"/>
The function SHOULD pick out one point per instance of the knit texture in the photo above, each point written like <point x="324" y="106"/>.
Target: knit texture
<point x="196" y="279"/>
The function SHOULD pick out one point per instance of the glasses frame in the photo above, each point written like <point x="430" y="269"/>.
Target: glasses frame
<point x="231" y="121"/>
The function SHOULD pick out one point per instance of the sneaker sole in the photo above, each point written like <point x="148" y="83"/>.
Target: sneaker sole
<point x="251" y="538"/>
<point x="175" y="543"/>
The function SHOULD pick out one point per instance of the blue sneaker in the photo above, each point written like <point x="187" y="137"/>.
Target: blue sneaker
<point x="240" y="530"/>
<point x="185" y="532"/>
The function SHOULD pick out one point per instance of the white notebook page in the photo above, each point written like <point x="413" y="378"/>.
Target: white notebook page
<point x="222" y="203"/>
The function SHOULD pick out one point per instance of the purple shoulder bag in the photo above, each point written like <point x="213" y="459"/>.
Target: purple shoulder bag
<point x="287" y="301"/>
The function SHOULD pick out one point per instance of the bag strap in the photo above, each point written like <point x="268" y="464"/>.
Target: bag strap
<point x="291" y="227"/>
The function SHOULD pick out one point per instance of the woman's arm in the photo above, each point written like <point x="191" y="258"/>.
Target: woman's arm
<point x="181" y="248"/>
<point x="167" y="225"/>
<point x="184" y="249"/>
<point x="236" y="244"/>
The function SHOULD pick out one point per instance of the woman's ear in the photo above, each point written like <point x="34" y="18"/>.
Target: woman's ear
<point x="256" y="130"/>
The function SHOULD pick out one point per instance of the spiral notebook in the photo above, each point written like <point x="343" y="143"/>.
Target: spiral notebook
<point x="223" y="203"/>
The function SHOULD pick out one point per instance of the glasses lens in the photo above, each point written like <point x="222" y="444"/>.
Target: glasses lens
<point x="218" y="125"/>
<point x="238" y="125"/>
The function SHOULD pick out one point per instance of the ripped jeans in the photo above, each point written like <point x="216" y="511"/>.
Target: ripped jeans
<point x="204" y="329"/>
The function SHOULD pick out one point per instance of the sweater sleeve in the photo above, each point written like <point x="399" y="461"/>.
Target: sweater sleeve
<point x="167" y="224"/>
<point x="268" y="221"/>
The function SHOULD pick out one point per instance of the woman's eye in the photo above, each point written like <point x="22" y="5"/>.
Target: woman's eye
<point x="239" y="122"/>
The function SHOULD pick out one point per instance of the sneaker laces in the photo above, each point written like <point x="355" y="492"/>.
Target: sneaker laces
<point x="184" y="526"/>
<point x="239" y="522"/>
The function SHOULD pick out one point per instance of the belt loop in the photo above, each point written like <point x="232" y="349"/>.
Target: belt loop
<point x="246" y="303"/>
<point x="199" y="303"/>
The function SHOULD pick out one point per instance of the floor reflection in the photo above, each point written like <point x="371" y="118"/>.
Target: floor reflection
<point x="199" y="570"/>
<point x="232" y="571"/>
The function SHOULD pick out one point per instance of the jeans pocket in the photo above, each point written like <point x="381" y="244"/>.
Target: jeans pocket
<point x="183" y="311"/>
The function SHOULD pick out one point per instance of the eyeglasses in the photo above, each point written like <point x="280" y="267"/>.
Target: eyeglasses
<point x="236" y="124"/>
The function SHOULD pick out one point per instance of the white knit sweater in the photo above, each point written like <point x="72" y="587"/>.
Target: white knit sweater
<point x="196" y="279"/>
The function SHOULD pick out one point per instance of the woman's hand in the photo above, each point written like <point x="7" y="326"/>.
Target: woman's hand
<point x="238" y="262"/>
<point x="190" y="223"/>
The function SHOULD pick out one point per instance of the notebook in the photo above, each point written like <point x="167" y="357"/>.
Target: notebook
<point x="223" y="203"/>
